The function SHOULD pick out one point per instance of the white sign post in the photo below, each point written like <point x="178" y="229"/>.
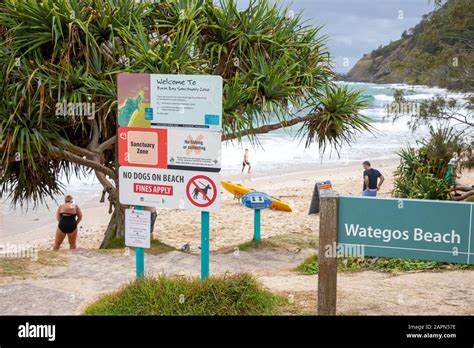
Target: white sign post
<point x="191" y="101"/>
<point x="137" y="228"/>
<point x="169" y="150"/>
<point x="171" y="189"/>
<point x="194" y="150"/>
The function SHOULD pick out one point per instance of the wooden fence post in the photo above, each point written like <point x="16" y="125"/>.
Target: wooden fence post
<point x="327" y="275"/>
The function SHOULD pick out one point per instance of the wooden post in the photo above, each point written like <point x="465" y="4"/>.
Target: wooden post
<point x="327" y="275"/>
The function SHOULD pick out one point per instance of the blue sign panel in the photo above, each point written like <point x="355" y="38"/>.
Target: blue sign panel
<point x="212" y="120"/>
<point x="408" y="228"/>
<point x="149" y="114"/>
<point x="257" y="200"/>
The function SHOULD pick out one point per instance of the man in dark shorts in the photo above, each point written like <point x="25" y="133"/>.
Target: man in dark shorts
<point x="246" y="162"/>
<point x="373" y="180"/>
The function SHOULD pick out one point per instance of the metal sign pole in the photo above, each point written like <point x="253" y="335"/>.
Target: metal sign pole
<point x="204" y="245"/>
<point x="256" y="225"/>
<point x="139" y="256"/>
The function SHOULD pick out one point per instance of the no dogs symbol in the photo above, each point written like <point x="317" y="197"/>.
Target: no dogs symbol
<point x="201" y="191"/>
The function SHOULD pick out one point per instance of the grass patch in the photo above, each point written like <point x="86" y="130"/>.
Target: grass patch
<point x="249" y="246"/>
<point x="16" y="266"/>
<point x="281" y="242"/>
<point x="290" y="240"/>
<point x="156" y="246"/>
<point x="10" y="267"/>
<point x="256" y="245"/>
<point x="224" y="295"/>
<point x="115" y="243"/>
<point x="299" y="303"/>
<point x="380" y="264"/>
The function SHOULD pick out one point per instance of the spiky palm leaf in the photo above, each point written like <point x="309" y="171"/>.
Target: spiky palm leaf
<point x="275" y="67"/>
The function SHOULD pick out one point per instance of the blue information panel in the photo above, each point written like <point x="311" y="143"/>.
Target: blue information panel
<point x="257" y="200"/>
<point x="407" y="228"/>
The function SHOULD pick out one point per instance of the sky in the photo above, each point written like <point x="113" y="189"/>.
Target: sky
<point x="356" y="27"/>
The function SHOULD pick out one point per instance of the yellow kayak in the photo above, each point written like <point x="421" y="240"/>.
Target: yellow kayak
<point x="238" y="191"/>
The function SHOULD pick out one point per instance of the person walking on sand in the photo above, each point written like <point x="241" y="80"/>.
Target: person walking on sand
<point x="69" y="215"/>
<point x="373" y="180"/>
<point x="246" y="161"/>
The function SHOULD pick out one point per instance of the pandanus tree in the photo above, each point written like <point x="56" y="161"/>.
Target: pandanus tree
<point x="276" y="69"/>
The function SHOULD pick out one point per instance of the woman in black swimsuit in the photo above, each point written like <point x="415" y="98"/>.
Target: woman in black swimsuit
<point x="68" y="215"/>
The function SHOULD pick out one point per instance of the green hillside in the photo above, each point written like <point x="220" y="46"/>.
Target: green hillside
<point x="437" y="51"/>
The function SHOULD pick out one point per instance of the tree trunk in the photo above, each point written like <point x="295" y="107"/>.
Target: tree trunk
<point x="464" y="188"/>
<point x="464" y="196"/>
<point x="110" y="232"/>
<point x="120" y="220"/>
<point x="115" y="228"/>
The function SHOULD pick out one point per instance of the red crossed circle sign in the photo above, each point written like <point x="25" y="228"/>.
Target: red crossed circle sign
<point x="198" y="189"/>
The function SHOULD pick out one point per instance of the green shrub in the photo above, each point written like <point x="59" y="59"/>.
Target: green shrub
<point x="380" y="264"/>
<point x="422" y="186"/>
<point x="421" y="171"/>
<point x="349" y="264"/>
<point x="224" y="295"/>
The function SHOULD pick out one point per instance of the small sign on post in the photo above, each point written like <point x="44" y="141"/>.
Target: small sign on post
<point x="138" y="235"/>
<point x="325" y="189"/>
<point x="137" y="228"/>
<point x="256" y="201"/>
<point x="321" y="189"/>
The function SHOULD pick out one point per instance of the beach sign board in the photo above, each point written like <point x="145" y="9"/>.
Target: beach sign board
<point x="170" y="148"/>
<point x="157" y="100"/>
<point x="325" y="188"/>
<point x="142" y="147"/>
<point x="257" y="200"/>
<point x="137" y="228"/>
<point x="407" y="228"/>
<point x="191" y="149"/>
<point x="172" y="189"/>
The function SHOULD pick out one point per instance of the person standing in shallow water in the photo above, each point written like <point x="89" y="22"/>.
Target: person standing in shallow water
<point x="246" y="162"/>
<point x="373" y="180"/>
<point x="69" y="215"/>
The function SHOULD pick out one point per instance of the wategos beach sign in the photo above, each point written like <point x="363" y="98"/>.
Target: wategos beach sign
<point x="408" y="228"/>
<point x="387" y="227"/>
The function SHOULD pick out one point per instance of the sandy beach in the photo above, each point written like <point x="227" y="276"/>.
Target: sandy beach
<point x="231" y="226"/>
<point x="47" y="287"/>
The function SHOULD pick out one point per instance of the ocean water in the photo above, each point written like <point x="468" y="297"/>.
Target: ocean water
<point x="281" y="152"/>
